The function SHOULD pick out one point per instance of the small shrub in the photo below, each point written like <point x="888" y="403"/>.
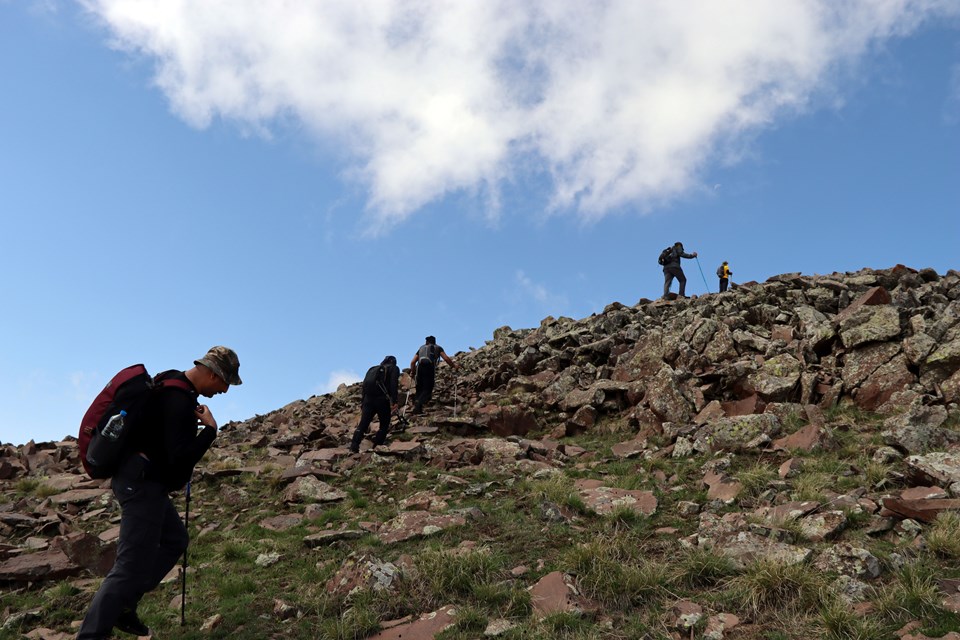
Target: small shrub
<point x="913" y="596"/>
<point x="755" y="480"/>
<point x="943" y="538"/>
<point x="704" y="568"/>
<point x="771" y="586"/>
<point x="839" y="622"/>
<point x="234" y="552"/>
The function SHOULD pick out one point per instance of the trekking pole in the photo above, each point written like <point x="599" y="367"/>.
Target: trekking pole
<point x="702" y="276"/>
<point x="456" y="379"/>
<point x="183" y="582"/>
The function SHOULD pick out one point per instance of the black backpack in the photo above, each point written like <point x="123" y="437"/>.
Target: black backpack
<point x="665" y="256"/>
<point x="374" y="382"/>
<point x="720" y="271"/>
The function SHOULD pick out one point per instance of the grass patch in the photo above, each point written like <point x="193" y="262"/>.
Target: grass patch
<point x="766" y="587"/>
<point x="943" y="538"/>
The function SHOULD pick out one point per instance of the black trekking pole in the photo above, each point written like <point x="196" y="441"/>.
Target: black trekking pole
<point x="183" y="581"/>
<point x="702" y="276"/>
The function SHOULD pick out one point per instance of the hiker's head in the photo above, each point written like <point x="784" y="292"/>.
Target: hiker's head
<point x="678" y="244"/>
<point x="219" y="369"/>
<point x="431" y="340"/>
<point x="389" y="360"/>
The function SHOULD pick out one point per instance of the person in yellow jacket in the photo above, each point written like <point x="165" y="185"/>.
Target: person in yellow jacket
<point x="724" y="273"/>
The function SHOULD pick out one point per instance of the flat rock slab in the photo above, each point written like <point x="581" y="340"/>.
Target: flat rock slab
<point x="923" y="510"/>
<point x="746" y="548"/>
<point x="940" y="468"/>
<point x="365" y="572"/>
<point x="78" y="496"/>
<point x="426" y="627"/>
<point x="630" y="448"/>
<point x="417" y="524"/>
<point x="282" y="522"/>
<point x="809" y="438"/>
<point x="324" y="538"/>
<point x="604" y="500"/>
<point x="310" y="489"/>
<point x="45" y="565"/>
<point x="721" y="487"/>
<point x="556" y="593"/>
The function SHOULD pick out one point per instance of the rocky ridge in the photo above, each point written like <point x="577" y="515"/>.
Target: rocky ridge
<point x="775" y="373"/>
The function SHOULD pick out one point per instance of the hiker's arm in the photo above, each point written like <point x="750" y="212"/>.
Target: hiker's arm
<point x="185" y="446"/>
<point x="688" y="255"/>
<point x="413" y="362"/>
<point x="449" y="360"/>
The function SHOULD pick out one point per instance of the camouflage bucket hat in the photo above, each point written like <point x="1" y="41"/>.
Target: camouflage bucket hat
<point x="222" y="361"/>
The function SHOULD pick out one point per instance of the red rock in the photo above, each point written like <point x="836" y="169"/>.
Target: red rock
<point x="554" y="593"/>
<point x="416" y="524"/>
<point x="604" y="500"/>
<point x="873" y="296"/>
<point x="281" y="522"/>
<point x="808" y="438"/>
<point x="743" y="407"/>
<point x="45" y="565"/>
<point x="923" y="510"/>
<point x="426" y="627"/>
<point x="922" y="493"/>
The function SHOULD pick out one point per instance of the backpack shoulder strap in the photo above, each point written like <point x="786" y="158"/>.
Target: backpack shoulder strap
<point x="183" y="385"/>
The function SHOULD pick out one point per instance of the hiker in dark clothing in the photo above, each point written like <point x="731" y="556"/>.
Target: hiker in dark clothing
<point x="671" y="269"/>
<point x="379" y="398"/>
<point x="425" y="363"/>
<point x="164" y="449"/>
<point x="724" y="273"/>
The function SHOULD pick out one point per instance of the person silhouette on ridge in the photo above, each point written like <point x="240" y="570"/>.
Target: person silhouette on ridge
<point x="672" y="269"/>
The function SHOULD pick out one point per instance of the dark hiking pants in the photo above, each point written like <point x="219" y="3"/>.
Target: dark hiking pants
<point x="723" y="284"/>
<point x="379" y="407"/>
<point x="669" y="273"/>
<point x="426" y="376"/>
<point x="152" y="539"/>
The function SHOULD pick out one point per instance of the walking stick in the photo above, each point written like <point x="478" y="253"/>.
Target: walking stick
<point x="183" y="582"/>
<point x="456" y="378"/>
<point x="702" y="276"/>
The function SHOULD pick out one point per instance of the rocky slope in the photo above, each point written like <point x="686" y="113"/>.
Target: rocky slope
<point x="805" y="421"/>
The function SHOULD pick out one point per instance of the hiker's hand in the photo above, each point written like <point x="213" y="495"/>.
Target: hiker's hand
<point x="204" y="416"/>
<point x="394" y="407"/>
<point x="694" y="254"/>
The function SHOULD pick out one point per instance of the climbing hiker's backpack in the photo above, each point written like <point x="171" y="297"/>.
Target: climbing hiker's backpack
<point x="127" y="391"/>
<point x="665" y="256"/>
<point x="374" y="382"/>
<point x="720" y="271"/>
<point x="430" y="352"/>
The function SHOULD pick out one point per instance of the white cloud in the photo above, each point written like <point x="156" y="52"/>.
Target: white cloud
<point x="338" y="377"/>
<point x="620" y="102"/>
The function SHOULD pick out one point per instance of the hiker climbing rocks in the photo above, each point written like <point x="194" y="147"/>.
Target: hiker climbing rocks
<point x="162" y="452"/>
<point x="425" y="364"/>
<point x="379" y="397"/>
<point x="670" y="259"/>
<point x="724" y="273"/>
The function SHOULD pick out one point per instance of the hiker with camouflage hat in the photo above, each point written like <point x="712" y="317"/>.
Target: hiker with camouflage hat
<point x="425" y="363"/>
<point x="163" y="449"/>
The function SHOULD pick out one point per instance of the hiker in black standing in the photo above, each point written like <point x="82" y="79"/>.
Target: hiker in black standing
<point x="163" y="450"/>
<point x="425" y="364"/>
<point x="724" y="273"/>
<point x="671" y="269"/>
<point x="379" y="397"/>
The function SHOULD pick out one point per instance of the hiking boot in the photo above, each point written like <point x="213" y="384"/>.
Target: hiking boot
<point x="128" y="622"/>
<point x="417" y="410"/>
<point x="354" y="448"/>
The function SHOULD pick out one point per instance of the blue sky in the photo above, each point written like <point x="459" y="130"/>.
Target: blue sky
<point x="323" y="184"/>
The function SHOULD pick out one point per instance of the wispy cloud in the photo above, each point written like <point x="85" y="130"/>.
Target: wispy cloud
<point x="618" y="102"/>
<point x="528" y="289"/>
<point x="336" y="378"/>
